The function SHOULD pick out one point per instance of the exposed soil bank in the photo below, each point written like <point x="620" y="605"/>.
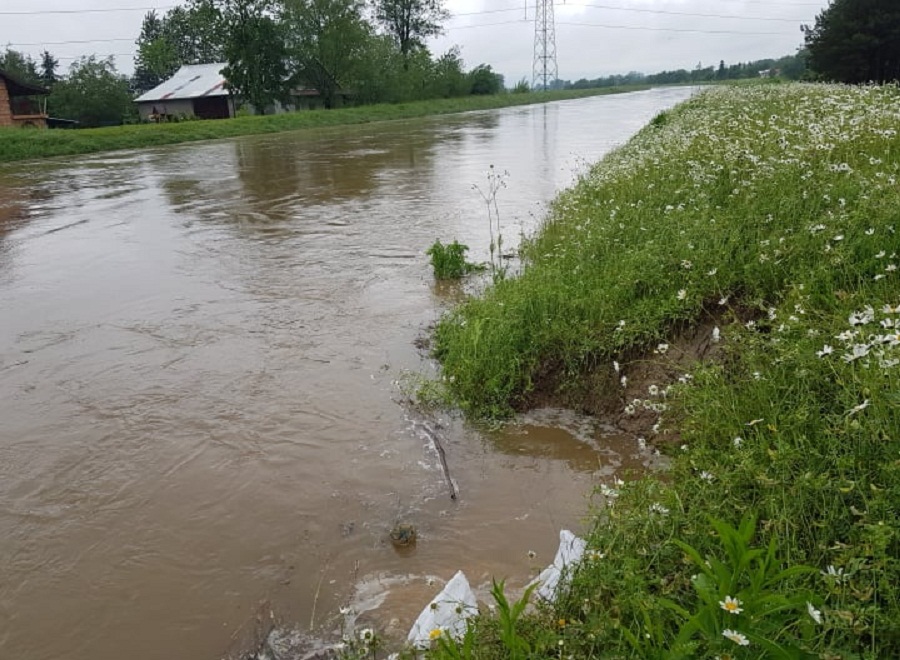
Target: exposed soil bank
<point x="17" y="144"/>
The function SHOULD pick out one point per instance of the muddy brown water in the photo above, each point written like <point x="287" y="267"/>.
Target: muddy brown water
<point x="201" y="428"/>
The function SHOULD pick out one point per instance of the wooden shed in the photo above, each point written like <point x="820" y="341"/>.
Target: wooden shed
<point x="21" y="103"/>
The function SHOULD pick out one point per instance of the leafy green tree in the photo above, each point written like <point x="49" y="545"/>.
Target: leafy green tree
<point x="255" y="51"/>
<point x="328" y="41"/>
<point x="381" y="77"/>
<point x="449" y="75"/>
<point x="158" y="62"/>
<point x="20" y="65"/>
<point x="93" y="93"/>
<point x="417" y="75"/>
<point x="197" y="31"/>
<point x="48" y="69"/>
<point x="483" y="80"/>
<point x="192" y="34"/>
<point x="856" y="41"/>
<point x="409" y="22"/>
<point x="156" y="58"/>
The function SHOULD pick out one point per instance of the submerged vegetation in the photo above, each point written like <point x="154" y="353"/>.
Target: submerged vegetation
<point x="449" y="261"/>
<point x="16" y="144"/>
<point x="763" y="220"/>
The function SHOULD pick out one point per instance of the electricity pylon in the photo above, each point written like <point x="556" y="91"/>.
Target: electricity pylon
<point x="545" y="70"/>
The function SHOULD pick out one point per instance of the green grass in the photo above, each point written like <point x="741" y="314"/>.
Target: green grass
<point x="18" y="144"/>
<point x="772" y="212"/>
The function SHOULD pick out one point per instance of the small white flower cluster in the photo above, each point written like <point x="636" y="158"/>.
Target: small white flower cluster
<point x="611" y="492"/>
<point x="657" y="407"/>
<point x="864" y="340"/>
<point x="835" y="574"/>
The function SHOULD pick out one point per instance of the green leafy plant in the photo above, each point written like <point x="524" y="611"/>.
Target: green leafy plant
<point x="509" y="616"/>
<point x="447" y="647"/>
<point x="742" y="600"/>
<point x="449" y="261"/>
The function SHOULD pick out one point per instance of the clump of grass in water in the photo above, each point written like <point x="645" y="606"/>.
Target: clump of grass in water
<point x="773" y="202"/>
<point x="449" y="261"/>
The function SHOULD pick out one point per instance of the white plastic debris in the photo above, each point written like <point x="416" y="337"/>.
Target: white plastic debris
<point x="568" y="556"/>
<point x="447" y="612"/>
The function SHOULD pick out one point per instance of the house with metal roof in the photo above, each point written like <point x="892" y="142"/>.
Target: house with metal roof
<point x="196" y="90"/>
<point x="21" y="103"/>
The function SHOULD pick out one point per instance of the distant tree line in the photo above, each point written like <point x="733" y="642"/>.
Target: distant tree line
<point x="792" y="67"/>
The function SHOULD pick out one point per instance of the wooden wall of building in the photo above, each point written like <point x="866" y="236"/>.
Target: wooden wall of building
<point x="5" y="110"/>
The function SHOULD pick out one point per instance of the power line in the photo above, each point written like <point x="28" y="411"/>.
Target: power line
<point x="821" y="5"/>
<point x="108" y="10"/>
<point x="78" y="57"/>
<point x="657" y="29"/>
<point x="466" y="27"/>
<point x="77" y="41"/>
<point x="617" y="27"/>
<point x="638" y="10"/>
<point x="43" y="12"/>
<point x="520" y="21"/>
<point x="685" y="13"/>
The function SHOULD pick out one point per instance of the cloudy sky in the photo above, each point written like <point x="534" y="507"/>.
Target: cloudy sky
<point x="593" y="37"/>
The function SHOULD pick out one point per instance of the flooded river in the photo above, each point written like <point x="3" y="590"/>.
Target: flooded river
<point x="201" y="428"/>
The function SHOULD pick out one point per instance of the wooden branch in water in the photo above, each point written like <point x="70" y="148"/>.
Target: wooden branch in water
<point x="454" y="493"/>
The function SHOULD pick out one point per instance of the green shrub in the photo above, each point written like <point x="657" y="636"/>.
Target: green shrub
<point x="449" y="261"/>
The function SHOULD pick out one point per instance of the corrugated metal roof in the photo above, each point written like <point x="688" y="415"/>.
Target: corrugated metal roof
<point x="191" y="81"/>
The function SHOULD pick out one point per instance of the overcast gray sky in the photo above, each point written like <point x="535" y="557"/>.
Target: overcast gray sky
<point x="593" y="37"/>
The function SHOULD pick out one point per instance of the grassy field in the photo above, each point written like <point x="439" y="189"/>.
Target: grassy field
<point x="17" y="144"/>
<point x="727" y="286"/>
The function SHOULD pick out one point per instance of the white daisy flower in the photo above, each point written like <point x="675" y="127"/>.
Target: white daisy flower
<point x="736" y="637"/>
<point x="731" y="605"/>
<point x="815" y="614"/>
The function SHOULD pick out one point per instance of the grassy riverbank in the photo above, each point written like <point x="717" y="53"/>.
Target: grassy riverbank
<point x="17" y="144"/>
<point x="727" y="286"/>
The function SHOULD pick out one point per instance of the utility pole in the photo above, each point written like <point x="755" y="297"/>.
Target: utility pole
<point x="545" y="70"/>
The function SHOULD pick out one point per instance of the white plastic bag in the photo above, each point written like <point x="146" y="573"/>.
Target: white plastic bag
<point x="447" y="612"/>
<point x="568" y="556"/>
